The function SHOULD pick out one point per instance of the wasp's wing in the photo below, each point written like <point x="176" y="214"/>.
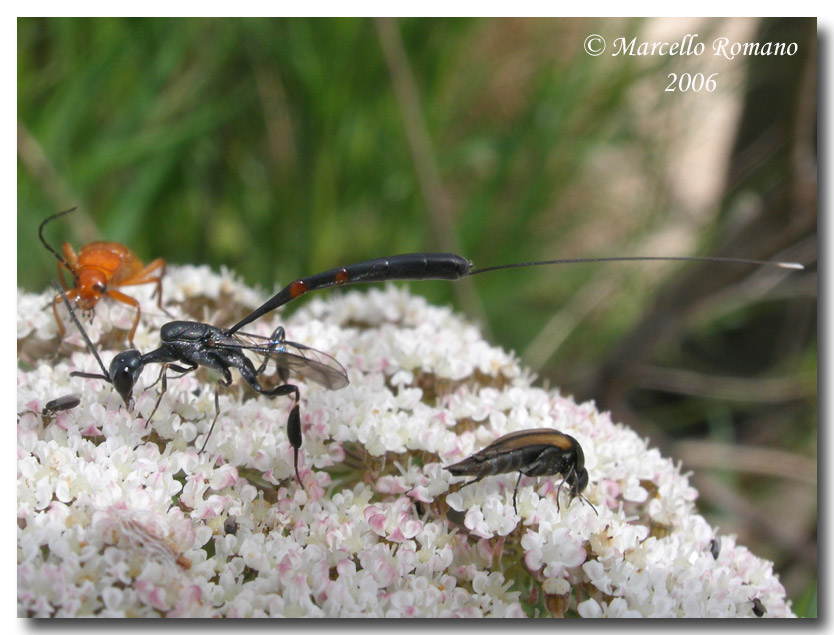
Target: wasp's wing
<point x="309" y="363"/>
<point x="302" y="360"/>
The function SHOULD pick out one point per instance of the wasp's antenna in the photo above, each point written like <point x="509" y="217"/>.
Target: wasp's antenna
<point x="105" y="375"/>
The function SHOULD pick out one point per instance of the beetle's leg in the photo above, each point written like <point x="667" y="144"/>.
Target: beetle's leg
<point x="146" y="275"/>
<point x="70" y="265"/>
<point x="55" y="301"/>
<point x="61" y="269"/>
<point x="70" y="255"/>
<point x="118" y="296"/>
<point x="72" y="261"/>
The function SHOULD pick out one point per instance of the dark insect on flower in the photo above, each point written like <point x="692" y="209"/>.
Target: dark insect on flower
<point x="67" y="402"/>
<point x="230" y="525"/>
<point x="714" y="548"/>
<point x="538" y="452"/>
<point x="53" y="407"/>
<point x="758" y="607"/>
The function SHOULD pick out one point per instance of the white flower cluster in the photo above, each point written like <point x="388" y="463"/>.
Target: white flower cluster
<point x="121" y="516"/>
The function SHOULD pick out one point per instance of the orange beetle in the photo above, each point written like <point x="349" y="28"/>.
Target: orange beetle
<point x="97" y="268"/>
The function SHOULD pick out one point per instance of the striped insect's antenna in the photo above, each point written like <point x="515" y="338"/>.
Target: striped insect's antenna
<point x="571" y="473"/>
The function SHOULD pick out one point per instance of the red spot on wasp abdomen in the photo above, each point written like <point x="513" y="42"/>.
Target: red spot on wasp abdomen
<point x="342" y="276"/>
<point x="297" y="288"/>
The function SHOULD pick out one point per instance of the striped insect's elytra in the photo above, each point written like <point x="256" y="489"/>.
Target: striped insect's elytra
<point x="537" y="452"/>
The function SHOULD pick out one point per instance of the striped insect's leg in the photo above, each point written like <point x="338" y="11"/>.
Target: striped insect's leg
<point x="571" y="472"/>
<point x="515" y="491"/>
<point x="473" y="481"/>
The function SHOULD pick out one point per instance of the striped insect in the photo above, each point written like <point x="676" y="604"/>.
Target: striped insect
<point x="537" y="452"/>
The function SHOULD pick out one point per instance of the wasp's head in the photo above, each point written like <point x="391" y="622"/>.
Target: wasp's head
<point x="124" y="372"/>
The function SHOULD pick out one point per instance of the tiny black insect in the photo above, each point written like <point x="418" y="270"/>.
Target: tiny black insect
<point x="52" y="408"/>
<point x="714" y="548"/>
<point x="758" y="607"/>
<point x="230" y="525"/>
<point x="538" y="452"/>
<point x="67" y="402"/>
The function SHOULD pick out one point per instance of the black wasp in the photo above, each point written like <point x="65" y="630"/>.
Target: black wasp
<point x="195" y="344"/>
<point x="187" y="345"/>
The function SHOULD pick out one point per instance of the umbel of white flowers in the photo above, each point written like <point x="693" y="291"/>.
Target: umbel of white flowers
<point x="121" y="517"/>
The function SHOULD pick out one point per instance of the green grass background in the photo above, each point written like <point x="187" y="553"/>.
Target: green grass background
<point x="280" y="148"/>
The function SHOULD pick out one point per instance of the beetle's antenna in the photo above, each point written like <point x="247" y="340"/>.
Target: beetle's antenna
<point x="46" y="244"/>
<point x="573" y="261"/>
<point x="105" y="375"/>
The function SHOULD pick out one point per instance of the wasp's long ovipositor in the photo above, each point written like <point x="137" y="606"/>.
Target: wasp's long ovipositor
<point x="538" y="452"/>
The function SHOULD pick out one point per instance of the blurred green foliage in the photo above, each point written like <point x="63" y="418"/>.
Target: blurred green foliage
<point x="278" y="148"/>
